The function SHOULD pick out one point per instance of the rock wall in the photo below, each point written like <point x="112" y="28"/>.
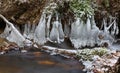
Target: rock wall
<point x="22" y="11"/>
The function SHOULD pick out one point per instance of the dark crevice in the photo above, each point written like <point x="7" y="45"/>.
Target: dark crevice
<point x="2" y="25"/>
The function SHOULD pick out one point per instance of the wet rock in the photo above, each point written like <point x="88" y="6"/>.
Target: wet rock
<point x="6" y="46"/>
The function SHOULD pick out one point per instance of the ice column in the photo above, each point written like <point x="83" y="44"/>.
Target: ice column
<point x="40" y="33"/>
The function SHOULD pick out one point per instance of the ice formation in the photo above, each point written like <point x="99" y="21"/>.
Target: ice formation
<point x="81" y="32"/>
<point x="84" y="34"/>
<point x="48" y="27"/>
<point x="57" y="34"/>
<point x="40" y="33"/>
<point x="12" y="34"/>
<point x="29" y="31"/>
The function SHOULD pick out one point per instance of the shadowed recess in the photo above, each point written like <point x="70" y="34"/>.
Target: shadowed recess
<point x="2" y="25"/>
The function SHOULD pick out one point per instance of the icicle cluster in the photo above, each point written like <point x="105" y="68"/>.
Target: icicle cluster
<point x="43" y="33"/>
<point x="81" y="33"/>
<point x="84" y="34"/>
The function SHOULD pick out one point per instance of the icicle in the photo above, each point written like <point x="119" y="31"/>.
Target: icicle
<point x="88" y="25"/>
<point x="66" y="30"/>
<point x="76" y="28"/>
<point x="114" y="28"/>
<point x="110" y="25"/>
<point x="31" y="32"/>
<point x="54" y="34"/>
<point x="57" y="34"/>
<point x="61" y="33"/>
<point x="48" y="26"/>
<point x="88" y="39"/>
<point x="117" y="31"/>
<point x="76" y="35"/>
<point x="39" y="36"/>
<point x="60" y="29"/>
<point x="105" y="26"/>
<point x="95" y="32"/>
<point x="25" y="30"/>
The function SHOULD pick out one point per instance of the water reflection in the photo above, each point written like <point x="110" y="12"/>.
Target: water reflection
<point x="37" y="62"/>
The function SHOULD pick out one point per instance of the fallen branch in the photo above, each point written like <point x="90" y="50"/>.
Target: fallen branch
<point x="63" y="52"/>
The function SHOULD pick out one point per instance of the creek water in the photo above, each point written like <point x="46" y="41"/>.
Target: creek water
<point x="37" y="62"/>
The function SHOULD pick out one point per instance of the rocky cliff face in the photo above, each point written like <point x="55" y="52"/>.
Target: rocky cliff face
<point x="25" y="11"/>
<point x="22" y="11"/>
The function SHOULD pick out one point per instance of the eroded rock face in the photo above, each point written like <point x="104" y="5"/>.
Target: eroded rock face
<point x="22" y="11"/>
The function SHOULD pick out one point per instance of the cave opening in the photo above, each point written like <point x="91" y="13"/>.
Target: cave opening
<point x="2" y="25"/>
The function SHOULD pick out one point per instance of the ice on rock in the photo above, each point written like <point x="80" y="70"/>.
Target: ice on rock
<point x="25" y="31"/>
<point x="57" y="34"/>
<point x="106" y="32"/>
<point x="40" y="33"/>
<point x="29" y="31"/>
<point x="87" y="34"/>
<point x="81" y="34"/>
<point x="12" y="34"/>
<point x="31" y="34"/>
<point x="66" y="30"/>
<point x="76" y="34"/>
<point x="54" y="34"/>
<point x="61" y="33"/>
<point x="48" y="27"/>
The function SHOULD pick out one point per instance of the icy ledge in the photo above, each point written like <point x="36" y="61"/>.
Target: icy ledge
<point x="96" y="60"/>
